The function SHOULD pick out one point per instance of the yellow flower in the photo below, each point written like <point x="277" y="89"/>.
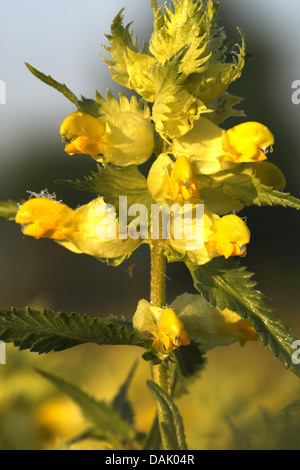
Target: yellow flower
<point x="230" y="236"/>
<point x="211" y="149"/>
<point x="210" y="326"/>
<point x="83" y="134"/>
<point x="182" y="181"/>
<point x="77" y="230"/>
<point x="247" y="142"/>
<point x="170" y="331"/>
<point x="125" y="139"/>
<point x="161" y="325"/>
<point x="44" y="218"/>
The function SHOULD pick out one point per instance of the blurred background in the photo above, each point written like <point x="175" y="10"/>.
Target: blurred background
<point x="235" y="403"/>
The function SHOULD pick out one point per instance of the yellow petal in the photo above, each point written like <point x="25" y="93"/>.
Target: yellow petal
<point x="247" y="142"/>
<point x="44" y="218"/>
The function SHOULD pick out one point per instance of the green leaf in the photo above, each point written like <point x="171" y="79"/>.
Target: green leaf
<point x="101" y="415"/>
<point x="112" y="182"/>
<point x="190" y="359"/>
<point x="223" y="283"/>
<point x="8" y="209"/>
<point x="90" y="433"/>
<point x="238" y="183"/>
<point x="45" y="331"/>
<point x="269" y="196"/>
<point x="62" y="88"/>
<point x="120" y="403"/>
<point x="172" y="423"/>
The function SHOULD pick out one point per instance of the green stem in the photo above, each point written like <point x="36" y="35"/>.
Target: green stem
<point x="160" y="372"/>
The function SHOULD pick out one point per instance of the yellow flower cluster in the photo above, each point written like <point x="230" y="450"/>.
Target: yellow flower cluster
<point x="185" y="79"/>
<point x="191" y="160"/>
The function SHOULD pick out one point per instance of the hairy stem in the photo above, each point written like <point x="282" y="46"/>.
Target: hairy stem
<point x="160" y="372"/>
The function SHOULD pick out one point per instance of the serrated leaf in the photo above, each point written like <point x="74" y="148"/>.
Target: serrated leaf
<point x="62" y="88"/>
<point x="292" y="407"/>
<point x="8" y="209"/>
<point x="45" y="331"/>
<point x="120" y="403"/>
<point x="268" y="196"/>
<point x="111" y="182"/>
<point x="189" y="24"/>
<point x="223" y="283"/>
<point x="101" y="415"/>
<point x="172" y="423"/>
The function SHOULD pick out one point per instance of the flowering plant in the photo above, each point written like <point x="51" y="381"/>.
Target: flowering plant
<point x="183" y="203"/>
